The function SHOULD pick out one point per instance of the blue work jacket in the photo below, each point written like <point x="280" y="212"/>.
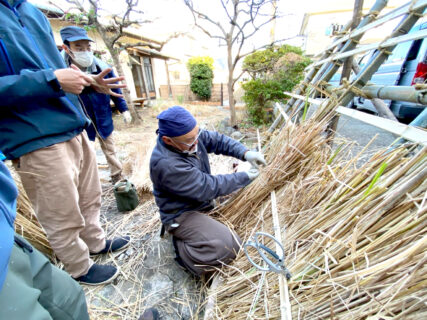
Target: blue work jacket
<point x="8" y="195"/>
<point x="183" y="182"/>
<point x="97" y="105"/>
<point x="35" y="111"/>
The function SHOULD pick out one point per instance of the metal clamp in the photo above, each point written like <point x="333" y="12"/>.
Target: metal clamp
<point x="276" y="265"/>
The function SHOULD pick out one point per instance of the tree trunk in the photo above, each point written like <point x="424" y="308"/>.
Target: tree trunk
<point x="136" y="119"/>
<point x="233" y="120"/>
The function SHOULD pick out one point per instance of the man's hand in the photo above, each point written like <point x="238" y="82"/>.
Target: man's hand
<point x="127" y="117"/>
<point x="104" y="86"/>
<point x="255" y="158"/>
<point x="72" y="79"/>
<point x="252" y="173"/>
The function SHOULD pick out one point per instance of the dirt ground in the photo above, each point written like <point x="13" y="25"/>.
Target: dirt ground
<point x="149" y="275"/>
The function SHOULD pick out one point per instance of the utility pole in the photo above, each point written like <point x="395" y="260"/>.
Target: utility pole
<point x="273" y="23"/>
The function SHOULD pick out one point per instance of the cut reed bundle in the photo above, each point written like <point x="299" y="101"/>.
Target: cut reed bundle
<point x="141" y="165"/>
<point x="355" y="238"/>
<point x="26" y="223"/>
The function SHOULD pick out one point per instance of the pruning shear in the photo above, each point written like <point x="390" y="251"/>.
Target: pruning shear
<point x="275" y="261"/>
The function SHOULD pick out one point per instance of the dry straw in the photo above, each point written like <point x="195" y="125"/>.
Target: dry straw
<point x="26" y="223"/>
<point x="355" y="238"/>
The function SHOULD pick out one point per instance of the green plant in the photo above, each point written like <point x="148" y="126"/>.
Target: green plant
<point x="201" y="73"/>
<point x="273" y="70"/>
<point x="180" y="99"/>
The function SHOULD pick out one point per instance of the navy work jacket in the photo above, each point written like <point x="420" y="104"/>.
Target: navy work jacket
<point x="35" y="111"/>
<point x="183" y="182"/>
<point x="97" y="105"/>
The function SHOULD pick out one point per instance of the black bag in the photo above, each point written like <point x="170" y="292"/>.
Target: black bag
<point x="126" y="195"/>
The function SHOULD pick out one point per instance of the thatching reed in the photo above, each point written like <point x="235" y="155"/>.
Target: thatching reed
<point x="355" y="238"/>
<point x="26" y="223"/>
<point x="141" y="165"/>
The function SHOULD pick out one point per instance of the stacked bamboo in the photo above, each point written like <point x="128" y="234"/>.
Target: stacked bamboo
<point x="355" y="238"/>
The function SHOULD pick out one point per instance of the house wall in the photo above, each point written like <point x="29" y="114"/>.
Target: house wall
<point x="340" y="12"/>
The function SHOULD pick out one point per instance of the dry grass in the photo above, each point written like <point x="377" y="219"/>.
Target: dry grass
<point x="26" y="223"/>
<point x="355" y="238"/>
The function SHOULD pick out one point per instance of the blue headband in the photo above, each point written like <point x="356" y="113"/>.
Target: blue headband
<point x="175" y="122"/>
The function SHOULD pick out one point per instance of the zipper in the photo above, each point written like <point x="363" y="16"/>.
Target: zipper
<point x="5" y="57"/>
<point x="45" y="64"/>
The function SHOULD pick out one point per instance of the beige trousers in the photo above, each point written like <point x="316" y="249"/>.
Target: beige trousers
<point x="63" y="185"/>
<point x="107" y="146"/>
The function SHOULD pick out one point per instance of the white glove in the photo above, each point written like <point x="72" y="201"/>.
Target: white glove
<point x="252" y="173"/>
<point x="127" y="117"/>
<point x="255" y="158"/>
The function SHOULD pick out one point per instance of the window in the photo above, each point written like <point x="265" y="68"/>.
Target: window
<point x="137" y="63"/>
<point x="149" y="74"/>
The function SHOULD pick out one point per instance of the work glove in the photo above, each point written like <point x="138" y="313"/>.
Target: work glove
<point x="255" y="158"/>
<point x="252" y="173"/>
<point x="127" y="117"/>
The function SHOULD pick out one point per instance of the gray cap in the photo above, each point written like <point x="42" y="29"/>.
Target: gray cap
<point x="73" y="33"/>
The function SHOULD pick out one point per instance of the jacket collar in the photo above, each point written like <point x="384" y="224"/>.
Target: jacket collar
<point x="15" y="4"/>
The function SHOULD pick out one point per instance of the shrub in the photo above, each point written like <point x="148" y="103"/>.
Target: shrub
<point x="201" y="73"/>
<point x="274" y="70"/>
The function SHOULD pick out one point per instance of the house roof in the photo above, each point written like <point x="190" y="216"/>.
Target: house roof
<point x="150" y="52"/>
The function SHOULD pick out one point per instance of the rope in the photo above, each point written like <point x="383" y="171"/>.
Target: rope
<point x="411" y="11"/>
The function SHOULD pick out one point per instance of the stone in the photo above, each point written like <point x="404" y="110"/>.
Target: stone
<point x="237" y="135"/>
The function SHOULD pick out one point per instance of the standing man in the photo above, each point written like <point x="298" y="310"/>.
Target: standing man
<point x="30" y="286"/>
<point x="78" y="51"/>
<point x="42" y="130"/>
<point x="184" y="189"/>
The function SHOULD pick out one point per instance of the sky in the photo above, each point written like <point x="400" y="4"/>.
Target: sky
<point x="169" y="16"/>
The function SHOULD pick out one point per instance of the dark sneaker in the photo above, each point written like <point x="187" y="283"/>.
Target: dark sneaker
<point x="150" y="314"/>
<point x="99" y="274"/>
<point x="115" y="245"/>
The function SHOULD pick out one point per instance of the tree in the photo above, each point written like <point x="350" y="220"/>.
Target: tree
<point x="201" y="73"/>
<point x="243" y="18"/>
<point x="111" y="31"/>
<point x="273" y="71"/>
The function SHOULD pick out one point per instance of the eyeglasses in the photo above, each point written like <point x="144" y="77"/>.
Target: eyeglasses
<point x="190" y="146"/>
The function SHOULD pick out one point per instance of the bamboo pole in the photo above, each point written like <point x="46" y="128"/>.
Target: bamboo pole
<point x="285" y="306"/>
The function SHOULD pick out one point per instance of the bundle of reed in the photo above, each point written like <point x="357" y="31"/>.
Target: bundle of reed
<point x="141" y="165"/>
<point x="355" y="238"/>
<point x="26" y="223"/>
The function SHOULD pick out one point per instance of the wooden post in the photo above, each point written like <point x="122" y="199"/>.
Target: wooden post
<point x="169" y="81"/>
<point x="222" y="95"/>
<point x="346" y="71"/>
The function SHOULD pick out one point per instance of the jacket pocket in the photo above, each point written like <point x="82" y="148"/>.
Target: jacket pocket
<point x="6" y="67"/>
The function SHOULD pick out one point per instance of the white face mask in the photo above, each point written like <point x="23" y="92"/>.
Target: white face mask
<point x="193" y="151"/>
<point x="84" y="59"/>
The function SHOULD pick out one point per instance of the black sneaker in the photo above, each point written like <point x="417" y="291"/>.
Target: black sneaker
<point x="115" y="245"/>
<point x="150" y="314"/>
<point x="99" y="274"/>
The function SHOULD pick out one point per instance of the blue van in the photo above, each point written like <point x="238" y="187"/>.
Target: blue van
<point x="406" y="66"/>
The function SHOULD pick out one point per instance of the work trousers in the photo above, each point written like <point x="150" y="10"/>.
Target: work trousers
<point x="62" y="183"/>
<point x="107" y="146"/>
<point x="37" y="290"/>
<point x="203" y="243"/>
